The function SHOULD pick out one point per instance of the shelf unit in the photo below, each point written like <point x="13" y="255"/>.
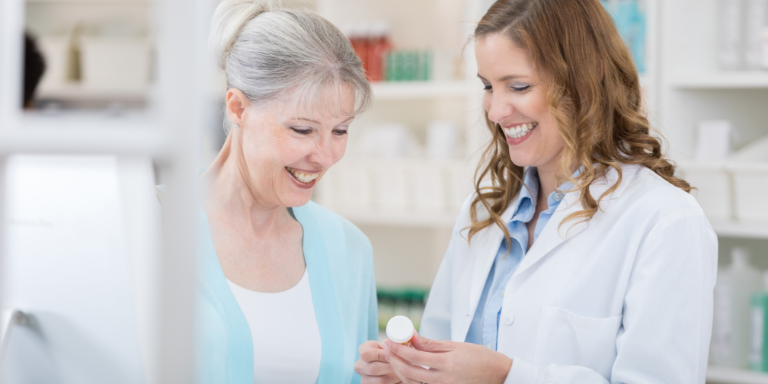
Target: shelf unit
<point x="407" y="220"/>
<point x="424" y="89"/>
<point x="170" y="134"/>
<point x="720" y="80"/>
<point x="726" y="375"/>
<point x="78" y="92"/>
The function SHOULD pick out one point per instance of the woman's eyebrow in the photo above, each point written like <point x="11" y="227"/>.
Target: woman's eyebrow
<point x="505" y="78"/>
<point x="307" y="119"/>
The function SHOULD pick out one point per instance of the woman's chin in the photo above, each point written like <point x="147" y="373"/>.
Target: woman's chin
<point x="292" y="198"/>
<point x="521" y="161"/>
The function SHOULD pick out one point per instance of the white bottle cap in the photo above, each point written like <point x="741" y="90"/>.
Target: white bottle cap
<point x="400" y="329"/>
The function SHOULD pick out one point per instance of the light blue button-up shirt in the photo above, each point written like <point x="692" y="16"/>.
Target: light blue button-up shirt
<point x="484" y="329"/>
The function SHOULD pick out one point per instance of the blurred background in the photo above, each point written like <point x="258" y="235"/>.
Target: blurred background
<point x="410" y="162"/>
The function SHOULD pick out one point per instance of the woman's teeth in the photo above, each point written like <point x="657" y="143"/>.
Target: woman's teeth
<point x="305" y="178"/>
<point x="519" y="130"/>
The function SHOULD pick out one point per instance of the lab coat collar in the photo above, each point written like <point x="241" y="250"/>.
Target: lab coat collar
<point x="485" y="243"/>
<point x="555" y="234"/>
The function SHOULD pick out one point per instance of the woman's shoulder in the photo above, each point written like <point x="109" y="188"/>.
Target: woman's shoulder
<point x="333" y="225"/>
<point x="642" y="186"/>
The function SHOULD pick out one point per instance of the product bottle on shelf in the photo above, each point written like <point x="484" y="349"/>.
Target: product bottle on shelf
<point x="756" y="20"/>
<point x="758" y="358"/>
<point x="378" y="47"/>
<point x="731" y="37"/>
<point x="358" y="36"/>
<point x="730" y="328"/>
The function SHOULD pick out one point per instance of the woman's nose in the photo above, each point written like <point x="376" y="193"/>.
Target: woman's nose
<point x="498" y="109"/>
<point x="323" y="154"/>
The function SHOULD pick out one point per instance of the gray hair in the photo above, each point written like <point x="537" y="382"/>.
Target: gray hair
<point x="268" y="52"/>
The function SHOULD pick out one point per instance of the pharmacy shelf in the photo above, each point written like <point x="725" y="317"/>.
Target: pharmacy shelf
<point x="721" y="80"/>
<point x="740" y="229"/>
<point x="412" y="220"/>
<point x="81" y="92"/>
<point x="424" y="89"/>
<point x="95" y="2"/>
<point x="724" y="375"/>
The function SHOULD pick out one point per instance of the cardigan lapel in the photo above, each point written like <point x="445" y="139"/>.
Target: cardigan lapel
<point x="323" y="299"/>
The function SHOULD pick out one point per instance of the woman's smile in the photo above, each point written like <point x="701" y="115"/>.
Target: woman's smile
<point x="303" y="179"/>
<point x="518" y="133"/>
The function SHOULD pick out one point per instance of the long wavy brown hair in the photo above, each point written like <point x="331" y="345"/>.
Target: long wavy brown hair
<point x="593" y="93"/>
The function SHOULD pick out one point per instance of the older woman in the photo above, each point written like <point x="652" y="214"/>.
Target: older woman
<point x="287" y="287"/>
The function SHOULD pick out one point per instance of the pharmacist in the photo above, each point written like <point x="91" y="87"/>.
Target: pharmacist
<point x="582" y="258"/>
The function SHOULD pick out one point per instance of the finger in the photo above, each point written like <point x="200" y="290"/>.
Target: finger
<point x="413" y="356"/>
<point x="411" y="374"/>
<point x="370" y="344"/>
<point x="376" y="368"/>
<point x="429" y="345"/>
<point x="372" y="354"/>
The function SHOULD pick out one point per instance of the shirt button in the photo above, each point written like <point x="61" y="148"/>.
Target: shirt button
<point x="509" y="319"/>
<point x="501" y="293"/>
<point x="558" y="196"/>
<point x="489" y="345"/>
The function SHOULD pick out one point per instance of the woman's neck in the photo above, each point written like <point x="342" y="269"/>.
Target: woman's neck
<point x="548" y="180"/>
<point x="228" y="193"/>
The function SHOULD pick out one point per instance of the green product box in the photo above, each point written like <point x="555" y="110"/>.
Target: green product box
<point x="758" y="358"/>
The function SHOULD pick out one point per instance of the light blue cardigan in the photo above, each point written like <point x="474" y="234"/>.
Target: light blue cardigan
<point x="340" y="266"/>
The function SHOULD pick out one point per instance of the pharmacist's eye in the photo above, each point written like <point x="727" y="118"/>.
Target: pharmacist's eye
<point x="487" y="87"/>
<point x="302" y="130"/>
<point x="339" y="132"/>
<point x="521" y="88"/>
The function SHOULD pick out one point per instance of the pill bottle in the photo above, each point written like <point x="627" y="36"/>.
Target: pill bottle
<point x="400" y="330"/>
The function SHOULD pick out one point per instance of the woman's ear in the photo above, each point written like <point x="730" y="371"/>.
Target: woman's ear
<point x="236" y="105"/>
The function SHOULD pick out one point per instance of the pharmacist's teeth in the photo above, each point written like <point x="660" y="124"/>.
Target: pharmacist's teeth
<point x="519" y="130"/>
<point x="305" y="178"/>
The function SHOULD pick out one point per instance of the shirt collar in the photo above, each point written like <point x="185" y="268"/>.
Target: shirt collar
<point x="527" y="196"/>
<point x="530" y="190"/>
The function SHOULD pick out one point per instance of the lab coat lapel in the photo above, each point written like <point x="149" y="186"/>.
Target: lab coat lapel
<point x="554" y="234"/>
<point x="484" y="247"/>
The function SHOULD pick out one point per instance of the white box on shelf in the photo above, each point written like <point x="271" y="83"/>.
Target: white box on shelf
<point x="459" y="182"/>
<point x="749" y="168"/>
<point x="391" y="185"/>
<point x="58" y="54"/>
<point x="428" y="180"/>
<point x="713" y="187"/>
<point x="112" y="62"/>
<point x="352" y="186"/>
<point x="714" y="140"/>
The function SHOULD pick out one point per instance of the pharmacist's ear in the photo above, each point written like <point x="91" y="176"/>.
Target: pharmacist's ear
<point x="235" y="105"/>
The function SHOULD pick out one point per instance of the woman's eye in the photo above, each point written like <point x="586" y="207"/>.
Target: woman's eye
<point x="521" y="88"/>
<point x="302" y="131"/>
<point x="339" y="132"/>
<point x="487" y="87"/>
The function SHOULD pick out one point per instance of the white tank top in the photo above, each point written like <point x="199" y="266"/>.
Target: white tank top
<point x="286" y="339"/>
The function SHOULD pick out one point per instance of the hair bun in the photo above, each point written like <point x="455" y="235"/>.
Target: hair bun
<point x="228" y="20"/>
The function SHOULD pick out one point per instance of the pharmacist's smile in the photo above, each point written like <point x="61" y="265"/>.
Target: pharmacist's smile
<point x="519" y="132"/>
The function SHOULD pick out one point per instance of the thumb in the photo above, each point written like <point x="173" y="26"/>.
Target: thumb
<point x="428" y="345"/>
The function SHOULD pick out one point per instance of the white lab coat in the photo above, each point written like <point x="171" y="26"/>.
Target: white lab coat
<point x="625" y="297"/>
